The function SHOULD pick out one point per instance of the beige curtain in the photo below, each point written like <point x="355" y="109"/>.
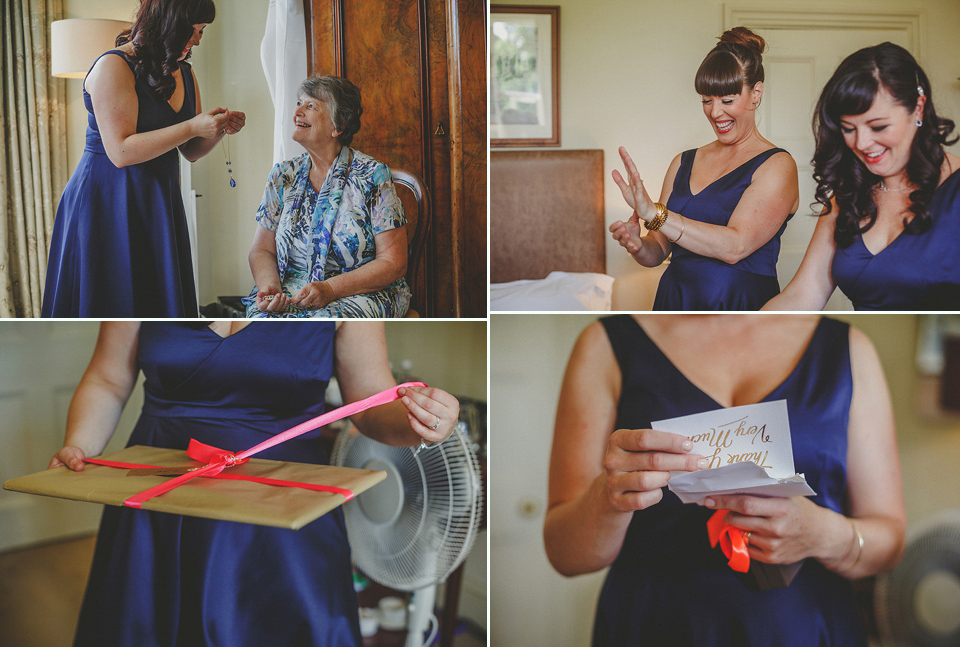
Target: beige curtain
<point x="33" y="166"/>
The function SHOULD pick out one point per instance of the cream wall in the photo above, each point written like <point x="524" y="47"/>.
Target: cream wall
<point x="627" y="69"/>
<point x="528" y="357"/>
<point x="929" y="447"/>
<point x="227" y="66"/>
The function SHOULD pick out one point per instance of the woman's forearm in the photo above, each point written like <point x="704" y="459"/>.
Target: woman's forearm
<point x="841" y="552"/>
<point x="651" y="252"/>
<point x="371" y="277"/>
<point x="93" y="416"/>
<point x="198" y="147"/>
<point x="104" y="388"/>
<point x="263" y="266"/>
<point x="723" y="243"/>
<point x="387" y="424"/>
<point x="795" y="298"/>
<point x="585" y="534"/>
<point x="143" y="147"/>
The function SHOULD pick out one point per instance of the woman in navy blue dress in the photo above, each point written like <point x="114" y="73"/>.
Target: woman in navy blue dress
<point x="120" y="245"/>
<point x="889" y="230"/>
<point x="724" y="206"/>
<point x="608" y="505"/>
<point x="162" y="580"/>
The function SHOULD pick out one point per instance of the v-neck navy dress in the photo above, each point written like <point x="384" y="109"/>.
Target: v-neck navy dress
<point x="668" y="586"/>
<point x="120" y="245"/>
<point x="695" y="282"/>
<point x="913" y="272"/>
<point x="164" y="580"/>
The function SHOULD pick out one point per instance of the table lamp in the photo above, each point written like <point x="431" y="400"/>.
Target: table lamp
<point x="77" y="42"/>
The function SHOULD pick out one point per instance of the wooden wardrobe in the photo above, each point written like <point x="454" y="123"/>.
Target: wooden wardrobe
<point x="421" y="66"/>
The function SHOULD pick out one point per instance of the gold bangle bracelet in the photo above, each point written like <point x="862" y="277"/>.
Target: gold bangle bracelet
<point x="682" y="227"/>
<point x="659" y="219"/>
<point x="856" y="529"/>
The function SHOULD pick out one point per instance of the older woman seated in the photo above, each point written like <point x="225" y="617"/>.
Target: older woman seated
<point x="330" y="240"/>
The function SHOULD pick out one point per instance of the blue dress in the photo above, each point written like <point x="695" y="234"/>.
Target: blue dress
<point x="166" y="580"/>
<point x="668" y="586"/>
<point x="695" y="282"/>
<point x="120" y="244"/>
<point x="913" y="272"/>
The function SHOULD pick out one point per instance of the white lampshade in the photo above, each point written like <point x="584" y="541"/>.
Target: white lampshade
<point x="77" y="42"/>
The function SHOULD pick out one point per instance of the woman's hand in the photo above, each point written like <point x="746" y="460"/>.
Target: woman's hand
<point x="782" y="530"/>
<point x="638" y="463"/>
<point x="272" y="299"/>
<point x="313" y="296"/>
<point x="69" y="455"/>
<point x="432" y="412"/>
<point x="236" y="120"/>
<point x="633" y="192"/>
<point x="628" y="233"/>
<point x="210" y="124"/>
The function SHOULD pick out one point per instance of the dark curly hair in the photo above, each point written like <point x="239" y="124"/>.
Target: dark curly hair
<point x="343" y="101"/>
<point x="159" y="33"/>
<point x="838" y="172"/>
<point x="735" y="62"/>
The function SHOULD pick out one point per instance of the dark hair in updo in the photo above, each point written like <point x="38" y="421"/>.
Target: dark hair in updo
<point x="343" y="101"/>
<point x="837" y="170"/>
<point x="159" y="33"/>
<point x="735" y="62"/>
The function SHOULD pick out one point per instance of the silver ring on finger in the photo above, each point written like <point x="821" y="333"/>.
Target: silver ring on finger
<point x="434" y="427"/>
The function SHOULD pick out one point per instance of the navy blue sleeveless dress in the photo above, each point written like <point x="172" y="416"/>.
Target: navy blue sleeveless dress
<point x="695" y="282"/>
<point x="913" y="272"/>
<point x="120" y="244"/>
<point x="667" y="585"/>
<point x="163" y="580"/>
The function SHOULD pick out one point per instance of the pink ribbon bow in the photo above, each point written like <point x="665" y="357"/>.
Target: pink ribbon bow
<point x="217" y="460"/>
<point x="732" y="541"/>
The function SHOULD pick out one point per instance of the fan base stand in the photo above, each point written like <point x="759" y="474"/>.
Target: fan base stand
<point x="420" y="615"/>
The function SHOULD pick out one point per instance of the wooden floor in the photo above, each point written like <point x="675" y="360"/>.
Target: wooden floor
<point x="40" y="592"/>
<point x="41" y="589"/>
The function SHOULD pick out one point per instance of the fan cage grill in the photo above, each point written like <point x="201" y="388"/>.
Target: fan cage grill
<point x="932" y="547"/>
<point x="440" y="518"/>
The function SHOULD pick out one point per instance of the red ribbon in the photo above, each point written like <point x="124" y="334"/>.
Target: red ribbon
<point x="216" y="460"/>
<point x="732" y="540"/>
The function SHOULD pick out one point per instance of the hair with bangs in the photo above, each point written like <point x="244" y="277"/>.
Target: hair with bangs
<point x="159" y="33"/>
<point x="735" y="62"/>
<point x="839" y="174"/>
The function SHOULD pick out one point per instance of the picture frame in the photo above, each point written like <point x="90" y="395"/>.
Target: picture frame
<point x="524" y="76"/>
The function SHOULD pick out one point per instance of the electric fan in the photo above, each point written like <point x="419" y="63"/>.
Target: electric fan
<point x="416" y="526"/>
<point x="918" y="602"/>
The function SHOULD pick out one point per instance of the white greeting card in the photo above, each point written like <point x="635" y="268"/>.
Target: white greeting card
<point x="749" y="450"/>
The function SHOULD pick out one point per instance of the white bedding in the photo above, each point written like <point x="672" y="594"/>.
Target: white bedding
<point x="560" y="291"/>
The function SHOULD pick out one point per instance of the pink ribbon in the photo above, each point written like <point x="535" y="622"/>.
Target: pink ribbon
<point x="732" y="541"/>
<point x="216" y="460"/>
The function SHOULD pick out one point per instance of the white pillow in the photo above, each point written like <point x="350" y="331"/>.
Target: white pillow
<point x="560" y="291"/>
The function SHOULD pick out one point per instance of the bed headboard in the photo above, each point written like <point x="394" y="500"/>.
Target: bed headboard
<point x="546" y="213"/>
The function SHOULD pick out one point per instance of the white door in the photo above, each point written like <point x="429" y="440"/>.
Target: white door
<point x="799" y="62"/>
<point x="40" y="366"/>
<point x="530" y="603"/>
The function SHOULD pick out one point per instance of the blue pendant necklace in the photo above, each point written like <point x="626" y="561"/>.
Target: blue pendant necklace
<point x="226" y="157"/>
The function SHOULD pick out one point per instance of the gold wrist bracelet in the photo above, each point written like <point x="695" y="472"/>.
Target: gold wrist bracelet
<point x="682" y="227"/>
<point x="659" y="219"/>
<point x="856" y="529"/>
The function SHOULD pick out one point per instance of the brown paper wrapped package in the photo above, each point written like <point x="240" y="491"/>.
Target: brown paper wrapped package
<point x="211" y="498"/>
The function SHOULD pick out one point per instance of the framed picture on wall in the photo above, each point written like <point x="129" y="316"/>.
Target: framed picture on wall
<point x="524" y="75"/>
